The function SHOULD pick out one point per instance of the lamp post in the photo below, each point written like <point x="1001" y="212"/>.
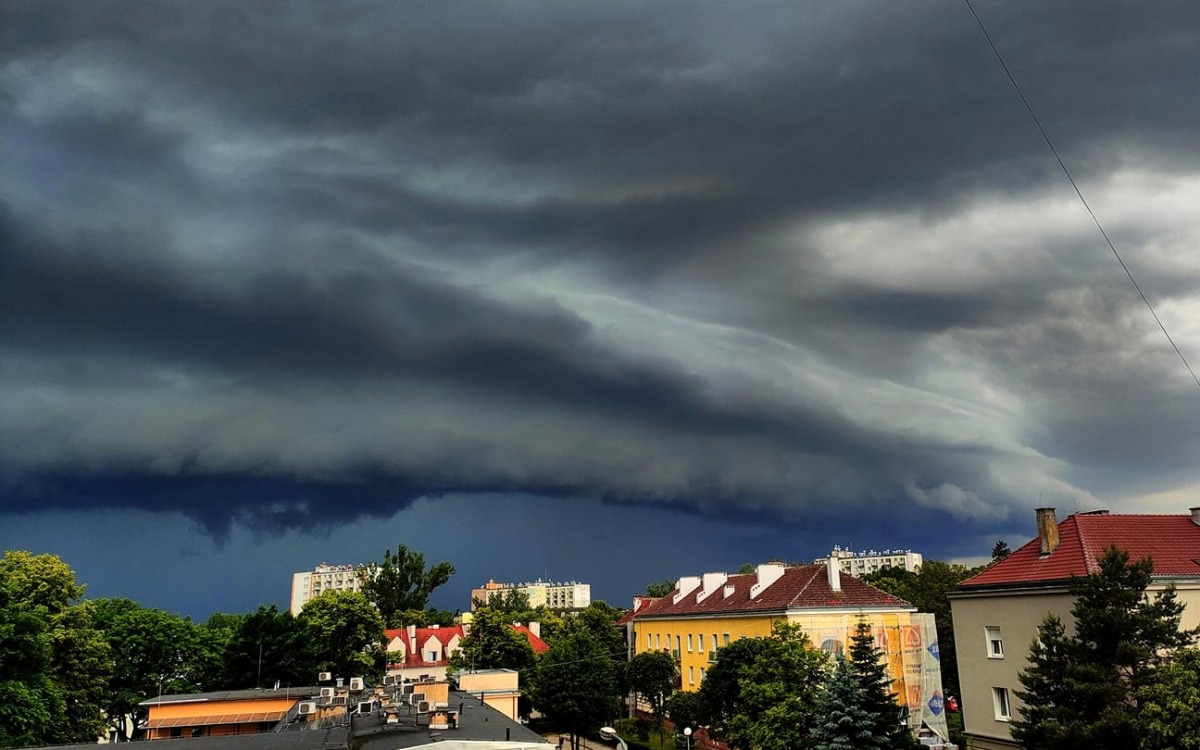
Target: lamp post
<point x="687" y="732"/>
<point x="608" y="733"/>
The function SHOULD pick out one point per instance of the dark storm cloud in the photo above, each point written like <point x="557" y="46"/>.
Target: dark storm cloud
<point x="770" y="261"/>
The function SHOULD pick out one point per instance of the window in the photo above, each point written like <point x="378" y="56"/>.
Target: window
<point x="701" y="674"/>
<point x="714" y="641"/>
<point x="691" y="675"/>
<point x="700" y="644"/>
<point x="677" y="640"/>
<point x="1000" y="703"/>
<point x="689" y="643"/>
<point x="658" y="638"/>
<point x="433" y="656"/>
<point x="995" y="644"/>
<point x="727" y="639"/>
<point x="649" y="641"/>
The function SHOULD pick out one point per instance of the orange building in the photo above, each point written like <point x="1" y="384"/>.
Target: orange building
<point x="223" y="713"/>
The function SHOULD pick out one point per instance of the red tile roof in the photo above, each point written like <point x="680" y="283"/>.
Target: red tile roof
<point x="445" y="634"/>
<point x="537" y="644"/>
<point x="800" y="587"/>
<point x="1172" y="541"/>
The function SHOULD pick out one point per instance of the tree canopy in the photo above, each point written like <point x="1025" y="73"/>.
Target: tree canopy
<point x="492" y="643"/>
<point x="346" y="633"/>
<point x="54" y="664"/>
<point x="402" y="583"/>
<point x="576" y="685"/>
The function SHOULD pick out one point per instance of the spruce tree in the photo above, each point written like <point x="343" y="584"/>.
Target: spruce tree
<point x="877" y="698"/>
<point x="845" y="723"/>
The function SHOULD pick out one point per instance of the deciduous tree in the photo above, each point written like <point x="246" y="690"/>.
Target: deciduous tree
<point x="652" y="675"/>
<point x="346" y="632"/>
<point x="402" y="582"/>
<point x="492" y="643"/>
<point x="575" y="684"/>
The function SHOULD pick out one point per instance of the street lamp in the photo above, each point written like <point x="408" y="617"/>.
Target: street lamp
<point x="608" y="733"/>
<point x="687" y="732"/>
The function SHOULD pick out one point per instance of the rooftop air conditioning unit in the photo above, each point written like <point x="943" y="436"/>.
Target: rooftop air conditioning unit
<point x="326" y="692"/>
<point x="324" y="676"/>
<point x="365" y="707"/>
<point x="307" y="707"/>
<point x="422" y="707"/>
<point x="389" y="679"/>
<point x="356" y="683"/>
<point x="408" y="688"/>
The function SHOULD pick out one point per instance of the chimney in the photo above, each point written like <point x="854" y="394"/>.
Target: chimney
<point x="1047" y="525"/>
<point x="535" y="628"/>
<point x="1195" y="515"/>
<point x="833" y="568"/>
<point x="412" y="639"/>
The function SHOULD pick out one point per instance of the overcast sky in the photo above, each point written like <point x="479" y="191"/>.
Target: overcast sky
<point x="609" y="291"/>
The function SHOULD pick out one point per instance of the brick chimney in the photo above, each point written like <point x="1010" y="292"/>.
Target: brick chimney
<point x="833" y="569"/>
<point x="1047" y="525"/>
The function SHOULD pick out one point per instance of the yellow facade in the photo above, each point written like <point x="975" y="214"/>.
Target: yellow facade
<point x="693" y="640"/>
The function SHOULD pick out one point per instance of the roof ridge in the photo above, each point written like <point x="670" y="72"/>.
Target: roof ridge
<point x="1089" y="560"/>
<point x="800" y="593"/>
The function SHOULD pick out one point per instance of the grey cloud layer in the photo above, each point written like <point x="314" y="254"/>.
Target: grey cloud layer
<point x="767" y="260"/>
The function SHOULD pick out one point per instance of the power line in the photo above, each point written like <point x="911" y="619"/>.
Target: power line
<point x="1082" y="200"/>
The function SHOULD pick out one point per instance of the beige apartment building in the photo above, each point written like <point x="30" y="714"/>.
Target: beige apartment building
<point x="312" y="583"/>
<point x="550" y="594"/>
<point x="996" y="613"/>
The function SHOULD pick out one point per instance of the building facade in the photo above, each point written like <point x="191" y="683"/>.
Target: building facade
<point x="707" y="612"/>
<point x="312" y="583"/>
<point x="997" y="612"/>
<point x="422" y="654"/>
<point x="567" y="595"/>
<point x="869" y="561"/>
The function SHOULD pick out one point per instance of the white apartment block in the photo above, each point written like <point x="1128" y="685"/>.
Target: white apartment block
<point x="568" y="595"/>
<point x="313" y="583"/>
<point x="869" y="561"/>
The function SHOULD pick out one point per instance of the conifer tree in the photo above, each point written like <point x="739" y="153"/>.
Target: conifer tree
<point x="876" y="696"/>
<point x="845" y="723"/>
<point x="1081" y="690"/>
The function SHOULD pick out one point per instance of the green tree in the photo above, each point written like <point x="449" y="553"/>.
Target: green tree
<point x="1081" y="690"/>
<point x="660" y="588"/>
<point x="29" y="701"/>
<point x="652" y="675"/>
<point x="575" y="684"/>
<point x="1169" y="704"/>
<point x="268" y="645"/>
<point x="346" y="632"/>
<point x="845" y="724"/>
<point x="401" y="582"/>
<point x="684" y="709"/>
<point x="875" y="691"/>
<point x="1000" y="551"/>
<point x="73" y="683"/>
<point x="491" y="642"/>
<point x="153" y="653"/>
<point x="926" y="589"/>
<point x="720" y="692"/>
<point x="777" y="691"/>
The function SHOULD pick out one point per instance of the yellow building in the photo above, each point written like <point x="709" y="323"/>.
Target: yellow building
<point x="706" y="612"/>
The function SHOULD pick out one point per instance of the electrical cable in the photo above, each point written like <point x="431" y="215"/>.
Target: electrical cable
<point x="1078" y="192"/>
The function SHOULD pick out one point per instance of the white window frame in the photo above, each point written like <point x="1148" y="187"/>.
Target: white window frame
<point x="700" y="643"/>
<point x="1001" y="704"/>
<point x="691" y="675"/>
<point x="994" y="641"/>
<point x="689" y="643"/>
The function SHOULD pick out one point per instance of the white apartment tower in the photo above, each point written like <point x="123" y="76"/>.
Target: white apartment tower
<point x="869" y="561"/>
<point x="313" y="583"/>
